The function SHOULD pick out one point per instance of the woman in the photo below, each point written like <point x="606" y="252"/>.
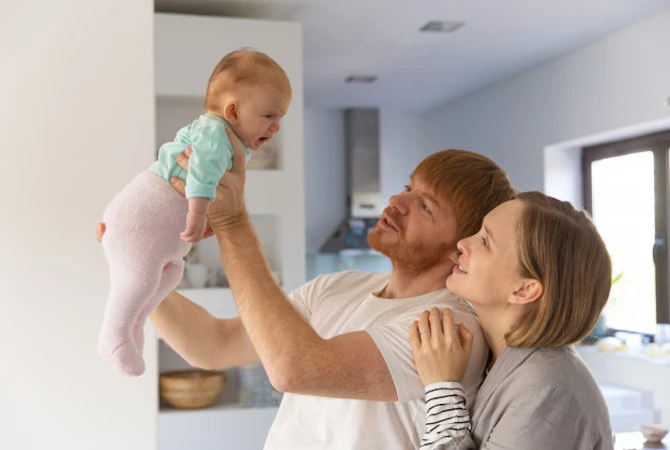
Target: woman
<point x="538" y="274"/>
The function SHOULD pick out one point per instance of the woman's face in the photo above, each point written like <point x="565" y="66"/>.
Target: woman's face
<point x="487" y="272"/>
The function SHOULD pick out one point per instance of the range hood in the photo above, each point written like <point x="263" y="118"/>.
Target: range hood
<point x="364" y="199"/>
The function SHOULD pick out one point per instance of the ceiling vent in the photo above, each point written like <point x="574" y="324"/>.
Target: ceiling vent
<point x="441" y="26"/>
<point x="361" y="79"/>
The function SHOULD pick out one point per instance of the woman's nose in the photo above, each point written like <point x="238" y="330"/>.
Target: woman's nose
<point x="275" y="127"/>
<point x="462" y="246"/>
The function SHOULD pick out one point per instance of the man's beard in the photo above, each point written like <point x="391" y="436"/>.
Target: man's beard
<point x="415" y="257"/>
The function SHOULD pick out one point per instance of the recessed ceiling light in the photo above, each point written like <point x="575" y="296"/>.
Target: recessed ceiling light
<point x="361" y="79"/>
<point x="442" y="26"/>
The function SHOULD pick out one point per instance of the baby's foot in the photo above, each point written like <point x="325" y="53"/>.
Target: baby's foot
<point x="138" y="338"/>
<point x="124" y="355"/>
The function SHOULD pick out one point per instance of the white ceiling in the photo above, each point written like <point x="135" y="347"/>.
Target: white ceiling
<point x="417" y="71"/>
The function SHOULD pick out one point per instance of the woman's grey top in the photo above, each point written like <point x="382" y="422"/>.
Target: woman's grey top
<point x="533" y="398"/>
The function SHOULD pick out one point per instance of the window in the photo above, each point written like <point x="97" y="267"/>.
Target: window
<point x="626" y="192"/>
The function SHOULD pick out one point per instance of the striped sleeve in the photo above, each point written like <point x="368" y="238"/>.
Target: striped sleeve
<point x="447" y="418"/>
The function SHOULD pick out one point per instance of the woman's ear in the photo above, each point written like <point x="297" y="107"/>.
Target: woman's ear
<point x="230" y="113"/>
<point x="528" y="291"/>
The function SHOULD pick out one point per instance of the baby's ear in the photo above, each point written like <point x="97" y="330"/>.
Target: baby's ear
<point x="230" y="113"/>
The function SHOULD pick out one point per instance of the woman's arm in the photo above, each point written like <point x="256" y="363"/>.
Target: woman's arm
<point x="447" y="419"/>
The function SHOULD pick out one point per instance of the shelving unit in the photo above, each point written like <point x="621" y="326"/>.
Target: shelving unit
<point x="186" y="50"/>
<point x="214" y="429"/>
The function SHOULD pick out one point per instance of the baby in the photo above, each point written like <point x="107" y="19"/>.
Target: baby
<point x="150" y="227"/>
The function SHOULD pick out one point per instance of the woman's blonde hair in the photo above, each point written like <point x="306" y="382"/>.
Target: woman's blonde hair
<point x="560" y="246"/>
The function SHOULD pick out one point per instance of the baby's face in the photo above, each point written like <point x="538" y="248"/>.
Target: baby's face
<point x="260" y="114"/>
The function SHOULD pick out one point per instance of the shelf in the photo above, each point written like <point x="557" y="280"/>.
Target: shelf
<point x="266" y="191"/>
<point x="273" y="193"/>
<point x="217" y="408"/>
<point x="218" y="301"/>
<point x="214" y="428"/>
<point x="180" y="71"/>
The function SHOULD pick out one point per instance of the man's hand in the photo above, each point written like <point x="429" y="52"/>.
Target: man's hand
<point x="99" y="231"/>
<point x="228" y="208"/>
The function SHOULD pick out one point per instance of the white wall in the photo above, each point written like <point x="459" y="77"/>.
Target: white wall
<point x="611" y="89"/>
<point x="181" y="79"/>
<point x="636" y="372"/>
<point x="617" y="81"/>
<point x="402" y="148"/>
<point x="76" y="119"/>
<point x="325" y="182"/>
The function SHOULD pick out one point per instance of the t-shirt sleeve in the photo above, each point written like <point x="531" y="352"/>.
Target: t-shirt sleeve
<point x="393" y="343"/>
<point x="298" y="298"/>
<point x="212" y="156"/>
<point x="304" y="297"/>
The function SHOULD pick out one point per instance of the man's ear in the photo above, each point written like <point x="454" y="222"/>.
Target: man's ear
<point x="230" y="113"/>
<point x="528" y="291"/>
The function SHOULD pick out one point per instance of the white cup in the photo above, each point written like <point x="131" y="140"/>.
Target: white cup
<point x="662" y="333"/>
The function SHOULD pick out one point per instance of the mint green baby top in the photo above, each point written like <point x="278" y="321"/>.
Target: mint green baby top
<point x="212" y="156"/>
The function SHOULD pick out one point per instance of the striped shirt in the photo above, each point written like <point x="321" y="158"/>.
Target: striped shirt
<point x="447" y="418"/>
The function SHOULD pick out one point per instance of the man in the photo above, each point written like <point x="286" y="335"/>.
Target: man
<point x="338" y="345"/>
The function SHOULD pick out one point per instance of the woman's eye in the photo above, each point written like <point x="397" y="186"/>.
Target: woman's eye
<point x="484" y="243"/>
<point x="425" y="207"/>
<point x="406" y="188"/>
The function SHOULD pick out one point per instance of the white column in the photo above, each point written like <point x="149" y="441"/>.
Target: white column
<point x="76" y="123"/>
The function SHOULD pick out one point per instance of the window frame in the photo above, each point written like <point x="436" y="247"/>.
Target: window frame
<point x="659" y="144"/>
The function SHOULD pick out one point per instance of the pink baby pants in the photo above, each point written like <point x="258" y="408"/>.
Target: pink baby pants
<point x="146" y="262"/>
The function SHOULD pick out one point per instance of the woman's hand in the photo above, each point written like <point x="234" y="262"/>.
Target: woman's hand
<point x="228" y="208"/>
<point x="441" y="350"/>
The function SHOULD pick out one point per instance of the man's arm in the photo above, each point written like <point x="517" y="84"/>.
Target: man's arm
<point x="200" y="338"/>
<point x="296" y="358"/>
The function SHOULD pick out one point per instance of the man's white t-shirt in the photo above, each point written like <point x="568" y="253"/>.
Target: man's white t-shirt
<point x="344" y="302"/>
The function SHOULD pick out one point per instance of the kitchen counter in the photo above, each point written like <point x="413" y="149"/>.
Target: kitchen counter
<point x="635" y="441"/>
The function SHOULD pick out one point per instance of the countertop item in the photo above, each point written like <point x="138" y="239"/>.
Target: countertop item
<point x="190" y="389"/>
<point x="636" y="441"/>
<point x="653" y="432"/>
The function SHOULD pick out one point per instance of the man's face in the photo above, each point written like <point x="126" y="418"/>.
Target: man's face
<point x="417" y="230"/>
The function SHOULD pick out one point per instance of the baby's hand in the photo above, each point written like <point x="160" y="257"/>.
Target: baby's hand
<point x="195" y="227"/>
<point x="196" y="220"/>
